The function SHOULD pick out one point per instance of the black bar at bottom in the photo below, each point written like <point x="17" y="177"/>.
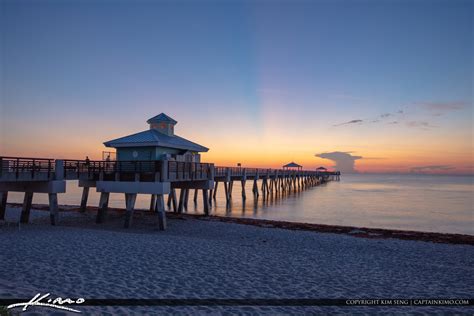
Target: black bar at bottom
<point x="261" y="302"/>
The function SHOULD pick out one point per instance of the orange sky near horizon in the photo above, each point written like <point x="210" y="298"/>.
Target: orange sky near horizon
<point x="269" y="149"/>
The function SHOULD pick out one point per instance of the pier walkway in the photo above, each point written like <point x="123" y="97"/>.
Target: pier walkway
<point x="156" y="178"/>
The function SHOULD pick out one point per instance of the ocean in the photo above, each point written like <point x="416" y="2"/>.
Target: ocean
<point x="430" y="203"/>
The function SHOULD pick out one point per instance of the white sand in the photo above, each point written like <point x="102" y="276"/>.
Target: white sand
<point x="204" y="259"/>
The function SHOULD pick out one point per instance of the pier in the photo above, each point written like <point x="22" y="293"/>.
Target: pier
<point x="156" y="178"/>
<point x="155" y="162"/>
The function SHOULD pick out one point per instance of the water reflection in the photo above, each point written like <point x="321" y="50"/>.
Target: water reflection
<point x="426" y="203"/>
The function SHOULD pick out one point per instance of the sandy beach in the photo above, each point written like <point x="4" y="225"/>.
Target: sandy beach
<point x="213" y="259"/>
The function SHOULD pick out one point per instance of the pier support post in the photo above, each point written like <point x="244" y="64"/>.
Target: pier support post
<point x="205" y="199"/>
<point x="244" y="196"/>
<point x="85" y="196"/>
<point x="169" y="201"/>
<point x="3" y="204"/>
<point x="215" y="190"/>
<point x="173" y="200"/>
<point x="255" y="187"/>
<point x="227" y="193"/>
<point x="153" y="203"/>
<point x="160" y="210"/>
<point x="53" y="208"/>
<point x="186" y="199"/>
<point x="195" y="199"/>
<point x="231" y="186"/>
<point x="181" y="201"/>
<point x="103" y="207"/>
<point x="26" y="208"/>
<point x="130" y="199"/>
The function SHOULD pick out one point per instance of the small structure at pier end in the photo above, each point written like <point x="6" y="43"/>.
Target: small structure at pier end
<point x="292" y="166"/>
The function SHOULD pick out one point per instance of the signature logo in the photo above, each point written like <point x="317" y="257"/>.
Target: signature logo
<point x="43" y="300"/>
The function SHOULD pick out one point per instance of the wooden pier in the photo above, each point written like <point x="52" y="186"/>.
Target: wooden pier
<point x="156" y="178"/>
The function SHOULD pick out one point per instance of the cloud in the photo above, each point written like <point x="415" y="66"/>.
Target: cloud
<point x="380" y="118"/>
<point x="345" y="162"/>
<point x="420" y="124"/>
<point x="350" y="122"/>
<point x="443" y="106"/>
<point x="431" y="168"/>
<point x="393" y="122"/>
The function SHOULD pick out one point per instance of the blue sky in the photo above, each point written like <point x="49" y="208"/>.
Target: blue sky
<point x="262" y="65"/>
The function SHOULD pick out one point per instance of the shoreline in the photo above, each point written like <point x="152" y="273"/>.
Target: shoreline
<point x="360" y="232"/>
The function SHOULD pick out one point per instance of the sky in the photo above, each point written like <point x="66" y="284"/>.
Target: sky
<point x="361" y="86"/>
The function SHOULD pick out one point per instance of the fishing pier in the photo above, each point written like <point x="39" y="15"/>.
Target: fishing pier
<point x="154" y="162"/>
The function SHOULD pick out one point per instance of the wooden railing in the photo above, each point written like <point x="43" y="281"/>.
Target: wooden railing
<point x="180" y="170"/>
<point x="239" y="171"/>
<point x="145" y="170"/>
<point x="29" y="167"/>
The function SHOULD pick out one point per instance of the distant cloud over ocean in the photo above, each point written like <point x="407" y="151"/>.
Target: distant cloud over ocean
<point x="345" y="161"/>
<point x="422" y="169"/>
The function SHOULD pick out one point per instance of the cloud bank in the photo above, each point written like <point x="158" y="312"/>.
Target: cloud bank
<point x="344" y="161"/>
<point x="432" y="168"/>
<point x="350" y="122"/>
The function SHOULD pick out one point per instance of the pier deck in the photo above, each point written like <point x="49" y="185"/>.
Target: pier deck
<point x="157" y="178"/>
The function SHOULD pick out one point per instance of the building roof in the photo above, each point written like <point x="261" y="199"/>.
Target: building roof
<point x="292" y="165"/>
<point x="162" y="117"/>
<point x="154" y="138"/>
<point x="321" y="168"/>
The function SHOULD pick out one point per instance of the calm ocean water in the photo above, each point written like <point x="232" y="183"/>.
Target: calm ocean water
<point x="407" y="202"/>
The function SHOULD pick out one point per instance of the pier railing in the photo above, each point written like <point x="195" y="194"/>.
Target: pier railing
<point x="141" y="170"/>
<point x="252" y="172"/>
<point x="36" y="169"/>
<point x="15" y="168"/>
<point x="189" y="171"/>
<point x="112" y="170"/>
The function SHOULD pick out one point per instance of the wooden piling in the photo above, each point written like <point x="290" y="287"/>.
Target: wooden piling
<point x="168" y="203"/>
<point x="103" y="207"/>
<point x="181" y="201"/>
<point x="255" y="186"/>
<point x="53" y="208"/>
<point x="85" y="196"/>
<point x="244" y="196"/>
<point x="227" y="193"/>
<point x="195" y="199"/>
<point x="205" y="199"/>
<point x="26" y="208"/>
<point x="160" y="210"/>
<point x="3" y="204"/>
<point x="130" y="199"/>
<point x="173" y="200"/>
<point x="215" y="189"/>
<point x="230" y="187"/>
<point x="153" y="203"/>
<point x="186" y="199"/>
